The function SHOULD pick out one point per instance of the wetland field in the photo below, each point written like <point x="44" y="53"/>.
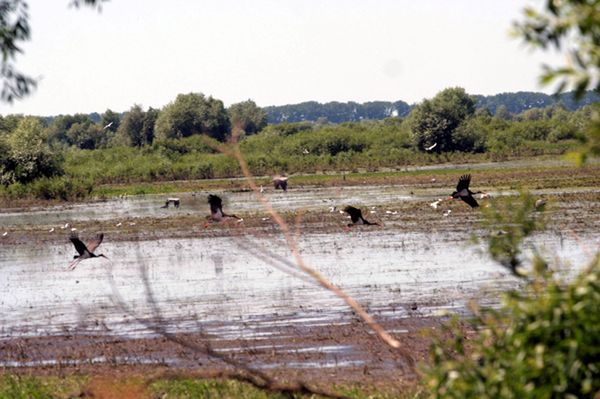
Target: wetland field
<point x="235" y="286"/>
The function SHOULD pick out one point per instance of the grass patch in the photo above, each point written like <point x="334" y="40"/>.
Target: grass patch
<point x="14" y="386"/>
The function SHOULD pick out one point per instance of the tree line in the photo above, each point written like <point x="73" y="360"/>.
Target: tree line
<point x="179" y="141"/>
<point x="339" y="112"/>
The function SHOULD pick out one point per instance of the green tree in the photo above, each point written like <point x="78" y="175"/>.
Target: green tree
<point x="87" y="136"/>
<point x="131" y="127"/>
<point x="59" y="127"/>
<point x="137" y="127"/>
<point x="110" y="120"/>
<point x="247" y="116"/>
<point x="14" y="31"/>
<point x="148" y="125"/>
<point x="27" y="155"/>
<point x="572" y="24"/>
<point x="193" y="114"/>
<point x="9" y="123"/>
<point x="434" y="121"/>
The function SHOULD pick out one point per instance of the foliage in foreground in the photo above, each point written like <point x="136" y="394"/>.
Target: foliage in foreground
<point x="544" y="340"/>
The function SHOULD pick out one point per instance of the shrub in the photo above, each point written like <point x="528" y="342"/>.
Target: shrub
<point x="544" y="342"/>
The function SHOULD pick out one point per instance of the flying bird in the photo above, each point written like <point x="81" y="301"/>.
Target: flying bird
<point x="356" y="216"/>
<point x="216" y="210"/>
<point x="107" y="126"/>
<point x="85" y="252"/>
<point x="463" y="192"/>
<point x="431" y="147"/>
<point x="280" y="182"/>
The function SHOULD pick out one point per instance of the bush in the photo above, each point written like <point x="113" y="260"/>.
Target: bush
<point x="544" y="342"/>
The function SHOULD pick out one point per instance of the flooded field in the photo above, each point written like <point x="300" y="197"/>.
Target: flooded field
<point x="237" y="286"/>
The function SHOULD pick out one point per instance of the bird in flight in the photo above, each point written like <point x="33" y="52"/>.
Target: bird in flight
<point x="463" y="192"/>
<point x="431" y="147"/>
<point x="216" y="210"/>
<point x="356" y="216"/>
<point x="85" y="251"/>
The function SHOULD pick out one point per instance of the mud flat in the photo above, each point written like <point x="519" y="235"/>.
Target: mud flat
<point x="236" y="287"/>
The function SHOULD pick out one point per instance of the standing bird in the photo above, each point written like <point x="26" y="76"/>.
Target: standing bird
<point x="280" y="182"/>
<point x="85" y="252"/>
<point x="356" y="216"/>
<point x="463" y="192"/>
<point x="216" y="210"/>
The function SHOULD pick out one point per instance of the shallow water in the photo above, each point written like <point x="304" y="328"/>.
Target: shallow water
<point x="246" y="286"/>
<point x="212" y="280"/>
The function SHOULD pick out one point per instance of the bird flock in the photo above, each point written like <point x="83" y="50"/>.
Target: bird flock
<point x="217" y="215"/>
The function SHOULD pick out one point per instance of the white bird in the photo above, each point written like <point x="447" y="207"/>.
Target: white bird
<point x="51" y="230"/>
<point x="262" y="189"/>
<point x="447" y="212"/>
<point x="436" y="203"/>
<point x="431" y="147"/>
<point x="5" y="234"/>
<point x="540" y="203"/>
<point x="132" y="223"/>
<point x="107" y="126"/>
<point x="332" y="209"/>
<point x="433" y="180"/>
<point x="73" y="229"/>
<point x="119" y="224"/>
<point x="484" y="195"/>
<point x="65" y="226"/>
<point x="305" y="151"/>
<point x="264" y="219"/>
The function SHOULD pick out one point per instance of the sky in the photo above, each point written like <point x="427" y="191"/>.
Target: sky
<point x="274" y="52"/>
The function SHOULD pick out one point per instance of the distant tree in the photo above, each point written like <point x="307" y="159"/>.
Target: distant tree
<point x="247" y="116"/>
<point x="26" y="154"/>
<point x="57" y="131"/>
<point x="503" y="113"/>
<point x="193" y="114"/>
<point x="434" y="121"/>
<point x="131" y="127"/>
<point x="148" y="125"/>
<point x="87" y="136"/>
<point x="9" y="123"/>
<point x="110" y="120"/>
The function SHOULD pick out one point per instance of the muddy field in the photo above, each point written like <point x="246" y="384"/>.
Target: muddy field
<point x="236" y="287"/>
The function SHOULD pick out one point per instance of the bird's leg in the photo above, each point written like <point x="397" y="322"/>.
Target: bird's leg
<point x="74" y="264"/>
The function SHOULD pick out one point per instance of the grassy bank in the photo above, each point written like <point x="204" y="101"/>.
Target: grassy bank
<point x="138" y="386"/>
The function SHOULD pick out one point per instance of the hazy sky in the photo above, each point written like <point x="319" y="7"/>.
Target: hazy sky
<point x="272" y="51"/>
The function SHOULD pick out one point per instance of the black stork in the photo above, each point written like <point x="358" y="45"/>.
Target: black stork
<point x="216" y="210"/>
<point x="356" y="216"/>
<point x="85" y="252"/>
<point x="280" y="182"/>
<point x="463" y="192"/>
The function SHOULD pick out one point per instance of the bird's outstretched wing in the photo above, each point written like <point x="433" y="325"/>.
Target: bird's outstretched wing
<point x="470" y="200"/>
<point x="79" y="245"/>
<point x="355" y="213"/>
<point x="215" y="203"/>
<point x="95" y="242"/>
<point x="463" y="183"/>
